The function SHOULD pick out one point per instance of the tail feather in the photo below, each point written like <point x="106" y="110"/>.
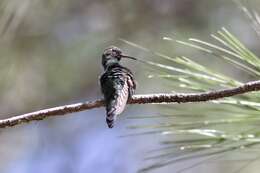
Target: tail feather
<point x="110" y="122"/>
<point x="111" y="117"/>
<point x="116" y="105"/>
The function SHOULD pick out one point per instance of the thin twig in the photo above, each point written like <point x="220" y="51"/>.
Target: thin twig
<point x="136" y="99"/>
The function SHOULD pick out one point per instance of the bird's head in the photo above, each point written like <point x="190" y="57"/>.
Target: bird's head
<point x="112" y="55"/>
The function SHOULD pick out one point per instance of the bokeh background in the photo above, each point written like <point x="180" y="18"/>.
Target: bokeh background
<point x="50" y="55"/>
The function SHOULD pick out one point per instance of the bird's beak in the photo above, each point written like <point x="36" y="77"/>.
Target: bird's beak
<point x="130" y="57"/>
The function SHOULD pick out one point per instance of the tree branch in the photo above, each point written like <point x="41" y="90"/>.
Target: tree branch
<point x="136" y="99"/>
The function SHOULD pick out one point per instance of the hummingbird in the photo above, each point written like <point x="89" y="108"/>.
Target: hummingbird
<point x="117" y="83"/>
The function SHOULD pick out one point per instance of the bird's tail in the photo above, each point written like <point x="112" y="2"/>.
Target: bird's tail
<point x="116" y="106"/>
<point x="111" y="117"/>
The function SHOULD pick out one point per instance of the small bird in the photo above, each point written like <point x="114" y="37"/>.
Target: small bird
<point x="117" y="83"/>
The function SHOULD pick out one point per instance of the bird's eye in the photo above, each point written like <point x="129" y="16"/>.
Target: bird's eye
<point x="116" y="53"/>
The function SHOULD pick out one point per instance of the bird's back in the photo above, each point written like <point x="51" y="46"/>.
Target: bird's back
<point x="117" y="85"/>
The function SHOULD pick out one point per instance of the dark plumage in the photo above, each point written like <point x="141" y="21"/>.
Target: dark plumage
<point x="117" y="84"/>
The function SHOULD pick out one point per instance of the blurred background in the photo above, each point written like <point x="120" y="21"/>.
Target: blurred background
<point x="50" y="55"/>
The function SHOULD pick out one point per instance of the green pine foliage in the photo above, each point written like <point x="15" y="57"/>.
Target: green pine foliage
<point x="206" y="131"/>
